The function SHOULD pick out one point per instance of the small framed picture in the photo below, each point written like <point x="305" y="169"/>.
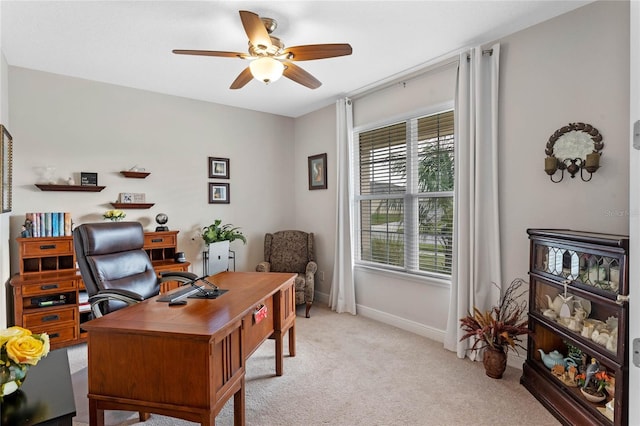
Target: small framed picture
<point x="218" y="193"/>
<point x="219" y="168"/>
<point x="6" y="168"/>
<point x="88" y="179"/>
<point x="318" y="171"/>
<point x="139" y="197"/>
<point x="125" y="197"/>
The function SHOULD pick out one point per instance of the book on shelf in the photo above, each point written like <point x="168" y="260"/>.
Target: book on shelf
<point x="47" y="224"/>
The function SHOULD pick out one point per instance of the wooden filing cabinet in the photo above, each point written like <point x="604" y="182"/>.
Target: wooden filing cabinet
<point x="162" y="248"/>
<point x="46" y="295"/>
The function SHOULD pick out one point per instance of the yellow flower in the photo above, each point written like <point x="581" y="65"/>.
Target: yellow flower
<point x="28" y="349"/>
<point x="12" y="332"/>
<point x="114" y="215"/>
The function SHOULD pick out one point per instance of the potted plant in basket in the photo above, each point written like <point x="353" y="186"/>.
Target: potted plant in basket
<point x="217" y="238"/>
<point x="499" y="329"/>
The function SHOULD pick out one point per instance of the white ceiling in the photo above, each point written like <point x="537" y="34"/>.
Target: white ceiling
<point x="129" y="43"/>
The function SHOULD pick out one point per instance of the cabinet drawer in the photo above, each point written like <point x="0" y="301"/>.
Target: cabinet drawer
<point x="49" y="318"/>
<point x="48" y="287"/>
<point x="59" y="334"/>
<point x="158" y="241"/>
<point x="49" y="247"/>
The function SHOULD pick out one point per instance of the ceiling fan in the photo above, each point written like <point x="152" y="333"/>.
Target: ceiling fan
<point x="269" y="58"/>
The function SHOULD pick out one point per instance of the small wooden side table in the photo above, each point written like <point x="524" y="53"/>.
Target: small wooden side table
<point x="46" y="396"/>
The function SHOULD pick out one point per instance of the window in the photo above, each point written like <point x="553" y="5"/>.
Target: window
<point x="404" y="199"/>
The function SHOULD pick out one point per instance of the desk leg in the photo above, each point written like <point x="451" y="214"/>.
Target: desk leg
<point x="292" y="340"/>
<point x="238" y="405"/>
<point x="96" y="416"/>
<point x="279" y="353"/>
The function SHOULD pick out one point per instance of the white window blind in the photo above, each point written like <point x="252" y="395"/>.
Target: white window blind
<point x="405" y="194"/>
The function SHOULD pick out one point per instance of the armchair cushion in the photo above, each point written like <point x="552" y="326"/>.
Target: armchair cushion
<point x="289" y="251"/>
<point x="292" y="251"/>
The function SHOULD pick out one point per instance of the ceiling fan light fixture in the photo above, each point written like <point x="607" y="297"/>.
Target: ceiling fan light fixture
<point x="266" y="69"/>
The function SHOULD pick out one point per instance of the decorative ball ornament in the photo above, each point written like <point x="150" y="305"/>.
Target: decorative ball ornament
<point x="162" y="219"/>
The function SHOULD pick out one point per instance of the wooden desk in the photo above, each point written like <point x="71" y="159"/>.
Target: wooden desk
<point x="45" y="397"/>
<point x="187" y="361"/>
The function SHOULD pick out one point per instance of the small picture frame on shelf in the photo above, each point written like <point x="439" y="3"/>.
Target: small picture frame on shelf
<point x="218" y="168"/>
<point x="139" y="197"/>
<point x="125" y="197"/>
<point x="218" y="193"/>
<point x="88" y="179"/>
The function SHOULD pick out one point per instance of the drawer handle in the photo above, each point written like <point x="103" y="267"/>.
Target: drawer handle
<point x="47" y="246"/>
<point x="48" y="286"/>
<point x="50" y="318"/>
<point x="157" y="240"/>
<point x="54" y="335"/>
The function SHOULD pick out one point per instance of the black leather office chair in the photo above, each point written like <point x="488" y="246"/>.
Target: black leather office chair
<point x="116" y="270"/>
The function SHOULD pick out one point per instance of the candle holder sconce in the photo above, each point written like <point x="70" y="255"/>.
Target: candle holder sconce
<point x="574" y="148"/>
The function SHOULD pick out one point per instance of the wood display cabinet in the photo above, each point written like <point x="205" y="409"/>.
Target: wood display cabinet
<point x="48" y="294"/>
<point x="578" y="306"/>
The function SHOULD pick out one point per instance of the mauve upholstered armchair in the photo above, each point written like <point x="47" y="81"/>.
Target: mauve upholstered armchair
<point x="292" y="251"/>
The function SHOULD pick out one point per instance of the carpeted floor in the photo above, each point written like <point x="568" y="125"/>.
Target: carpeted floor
<point x="350" y="370"/>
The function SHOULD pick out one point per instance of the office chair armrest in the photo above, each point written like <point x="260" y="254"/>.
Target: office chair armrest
<point x="126" y="296"/>
<point x="179" y="276"/>
<point x="263" y="267"/>
<point x="186" y="275"/>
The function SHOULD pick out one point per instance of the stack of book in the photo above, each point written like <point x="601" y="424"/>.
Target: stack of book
<point x="49" y="224"/>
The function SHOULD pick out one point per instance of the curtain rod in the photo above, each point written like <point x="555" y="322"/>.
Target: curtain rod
<point x="403" y="77"/>
<point x="484" y="52"/>
<point x="436" y="64"/>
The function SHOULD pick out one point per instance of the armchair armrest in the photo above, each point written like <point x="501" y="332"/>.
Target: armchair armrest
<point x="312" y="267"/>
<point x="263" y="267"/>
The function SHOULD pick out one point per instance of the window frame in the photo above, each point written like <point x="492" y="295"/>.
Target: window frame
<point x="436" y="277"/>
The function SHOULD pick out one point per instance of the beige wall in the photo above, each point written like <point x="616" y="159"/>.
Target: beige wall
<point x="78" y="125"/>
<point x="316" y="134"/>
<point x="555" y="73"/>
<point x="551" y="74"/>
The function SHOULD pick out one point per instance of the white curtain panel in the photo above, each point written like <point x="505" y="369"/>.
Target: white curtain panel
<point x="476" y="277"/>
<point x="342" y="297"/>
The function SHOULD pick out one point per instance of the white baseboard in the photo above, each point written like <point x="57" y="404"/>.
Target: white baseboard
<point x="396" y="321"/>
<point x="513" y="360"/>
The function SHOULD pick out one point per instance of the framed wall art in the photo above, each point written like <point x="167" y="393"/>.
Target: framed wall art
<point x="218" y="168"/>
<point x="6" y="168"/>
<point x="318" y="171"/>
<point x="218" y="193"/>
<point x="88" y="179"/>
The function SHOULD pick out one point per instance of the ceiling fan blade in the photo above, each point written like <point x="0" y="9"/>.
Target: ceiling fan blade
<point x="242" y="79"/>
<point x="300" y="76"/>
<point x="255" y="29"/>
<point x="317" y="51"/>
<point x="210" y="53"/>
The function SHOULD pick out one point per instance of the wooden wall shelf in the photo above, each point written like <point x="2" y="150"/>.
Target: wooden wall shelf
<point x="78" y="188"/>
<point x="132" y="205"/>
<point x="136" y="175"/>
